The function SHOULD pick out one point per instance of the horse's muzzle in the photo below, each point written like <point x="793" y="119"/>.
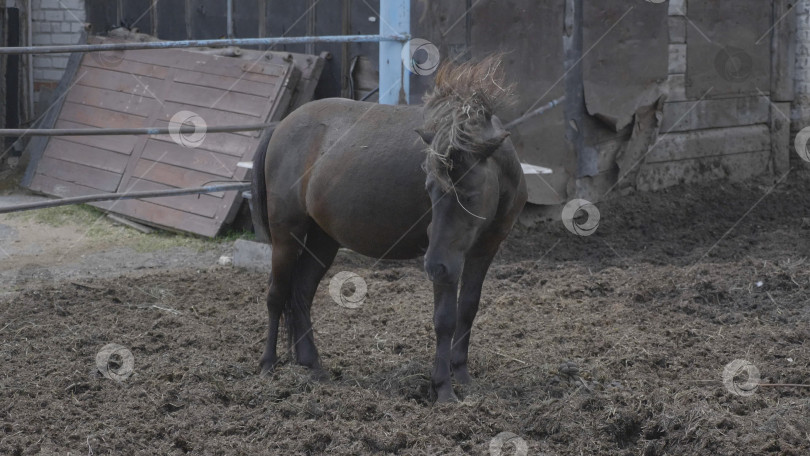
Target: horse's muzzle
<point x="439" y="272"/>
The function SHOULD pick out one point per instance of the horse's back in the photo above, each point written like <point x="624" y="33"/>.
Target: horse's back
<point x="355" y="169"/>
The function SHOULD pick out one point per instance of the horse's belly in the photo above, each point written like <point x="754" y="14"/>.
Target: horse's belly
<point x="387" y="246"/>
<point x="377" y="216"/>
<point x="392" y="237"/>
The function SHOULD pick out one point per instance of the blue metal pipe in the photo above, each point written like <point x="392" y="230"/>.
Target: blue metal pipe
<point x="395" y="19"/>
<point x="203" y="43"/>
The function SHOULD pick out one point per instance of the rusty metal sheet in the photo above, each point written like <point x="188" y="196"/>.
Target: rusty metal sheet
<point x="729" y="48"/>
<point x="153" y="88"/>
<point x="625" y="57"/>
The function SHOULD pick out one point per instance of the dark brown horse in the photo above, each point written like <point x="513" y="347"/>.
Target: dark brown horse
<point x="345" y="173"/>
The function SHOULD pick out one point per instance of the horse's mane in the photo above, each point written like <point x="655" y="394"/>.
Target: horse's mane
<point x="461" y="103"/>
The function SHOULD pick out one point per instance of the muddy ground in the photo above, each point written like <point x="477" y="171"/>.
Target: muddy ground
<point x="609" y="344"/>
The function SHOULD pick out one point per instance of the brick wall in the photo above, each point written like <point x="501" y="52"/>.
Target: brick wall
<point x="54" y="22"/>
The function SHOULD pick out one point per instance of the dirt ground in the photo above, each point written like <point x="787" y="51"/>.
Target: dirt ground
<point x="609" y="344"/>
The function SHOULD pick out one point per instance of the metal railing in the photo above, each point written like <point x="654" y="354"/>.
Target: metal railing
<point x="394" y="32"/>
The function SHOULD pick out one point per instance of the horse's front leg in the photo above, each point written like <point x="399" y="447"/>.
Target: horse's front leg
<point x="444" y="323"/>
<point x="472" y="279"/>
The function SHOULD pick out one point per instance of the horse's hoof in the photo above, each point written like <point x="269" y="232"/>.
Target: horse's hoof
<point x="446" y="398"/>
<point x="462" y="376"/>
<point x="445" y="395"/>
<point x="319" y="375"/>
<point x="267" y="367"/>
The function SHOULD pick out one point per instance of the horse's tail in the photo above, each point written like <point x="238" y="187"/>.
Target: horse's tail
<point x="258" y="190"/>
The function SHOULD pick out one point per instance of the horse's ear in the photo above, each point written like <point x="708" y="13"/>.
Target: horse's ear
<point x="426" y="136"/>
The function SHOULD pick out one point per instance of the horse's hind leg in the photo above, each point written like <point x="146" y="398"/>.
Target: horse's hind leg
<point x="284" y="257"/>
<point x="472" y="279"/>
<point x="313" y="263"/>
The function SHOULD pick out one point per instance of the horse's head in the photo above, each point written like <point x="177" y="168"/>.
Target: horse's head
<point x="462" y="180"/>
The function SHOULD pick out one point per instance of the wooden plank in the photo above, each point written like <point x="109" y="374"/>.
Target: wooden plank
<point x="677" y="59"/>
<point x="211" y="116"/>
<point x="99" y="117"/>
<point x="121" y="144"/>
<point x="606" y="24"/>
<point x="222" y="143"/>
<point x="783" y="50"/>
<point x="82" y="154"/>
<point x="172" y="175"/>
<point x="676" y="87"/>
<point x="218" y="97"/>
<point x="677" y="29"/>
<point x="780" y="136"/>
<point x="102" y="78"/>
<point x="729" y="52"/>
<point x="79" y="174"/>
<point x="204" y="204"/>
<point x="709" y="143"/>
<point x="127" y="222"/>
<point x="183" y="59"/>
<point x="726" y="112"/>
<point x="117" y="61"/>
<point x="736" y="167"/>
<point x="238" y="85"/>
<point x="57" y="187"/>
<point x="115" y="101"/>
<point x="677" y="8"/>
<point x="163" y="217"/>
<point x="196" y="159"/>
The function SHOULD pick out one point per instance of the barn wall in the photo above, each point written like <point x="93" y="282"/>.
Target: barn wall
<point x="726" y="113"/>
<point x="651" y="101"/>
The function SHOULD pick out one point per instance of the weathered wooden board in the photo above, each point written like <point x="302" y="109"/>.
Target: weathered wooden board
<point x="677" y="30"/>
<point x="613" y="42"/>
<point x="538" y="70"/>
<point x="726" y="112"/>
<point x="710" y="143"/>
<point x="783" y="50"/>
<point x="676" y="87"/>
<point x="655" y="176"/>
<point x="780" y="136"/>
<point x="729" y="47"/>
<point x="148" y="88"/>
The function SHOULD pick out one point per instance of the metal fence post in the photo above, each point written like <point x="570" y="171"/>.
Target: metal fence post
<point x="395" y="18"/>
